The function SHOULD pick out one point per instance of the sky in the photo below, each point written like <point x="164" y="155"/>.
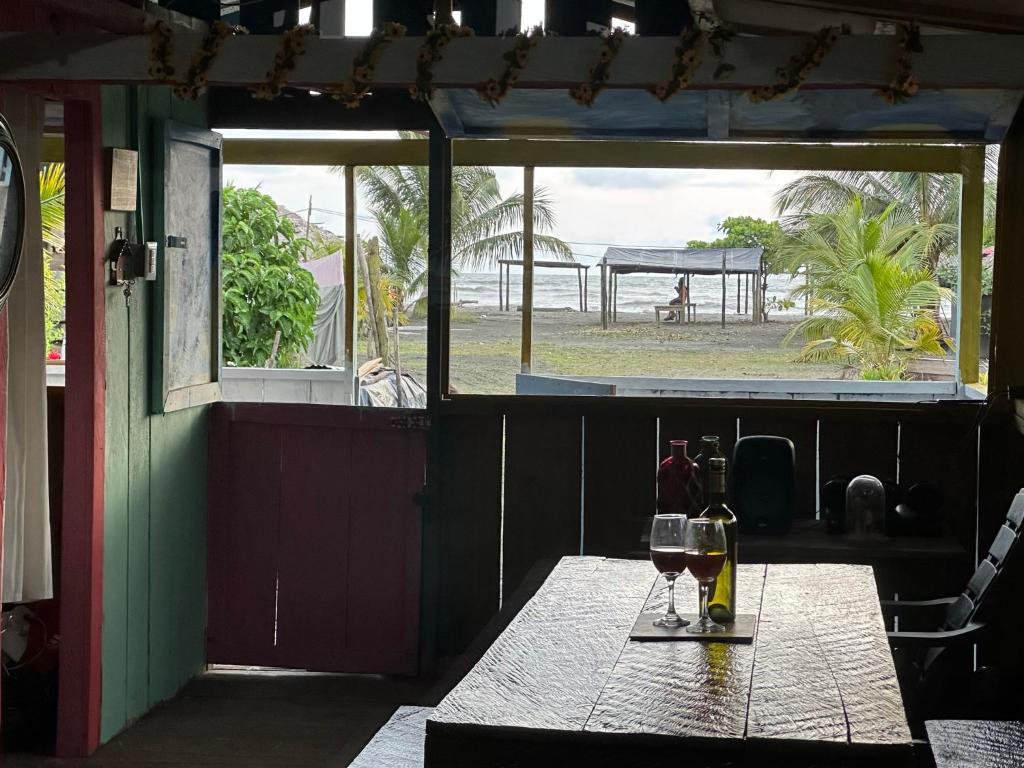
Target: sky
<point x="594" y="207"/>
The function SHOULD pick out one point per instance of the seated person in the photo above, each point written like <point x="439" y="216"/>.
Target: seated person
<point x="682" y="297"/>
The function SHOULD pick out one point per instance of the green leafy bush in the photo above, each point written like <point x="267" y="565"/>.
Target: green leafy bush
<point x="265" y="289"/>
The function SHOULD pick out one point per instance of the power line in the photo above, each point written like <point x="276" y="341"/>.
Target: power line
<point x="364" y="217"/>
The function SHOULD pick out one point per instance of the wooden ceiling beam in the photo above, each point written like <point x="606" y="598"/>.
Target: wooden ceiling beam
<point x="856" y="61"/>
<point x="937" y="158"/>
<point x="974" y="15"/>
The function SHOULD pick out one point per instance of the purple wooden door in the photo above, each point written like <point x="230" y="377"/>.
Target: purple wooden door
<point x="314" y="537"/>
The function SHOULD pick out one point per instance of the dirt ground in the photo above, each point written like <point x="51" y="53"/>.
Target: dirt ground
<point x="485" y="348"/>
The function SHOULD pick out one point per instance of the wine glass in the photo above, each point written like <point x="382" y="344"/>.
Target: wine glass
<point x="704" y="544"/>
<point x="669" y="556"/>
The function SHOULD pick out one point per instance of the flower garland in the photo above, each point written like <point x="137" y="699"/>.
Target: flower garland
<point x="497" y="89"/>
<point x="687" y="56"/>
<point x="202" y="60"/>
<point x="161" y="45"/>
<point x="585" y="93"/>
<point x="795" y="71"/>
<point x="903" y="84"/>
<point x="355" y="89"/>
<point x="293" y="45"/>
<point x="430" y="53"/>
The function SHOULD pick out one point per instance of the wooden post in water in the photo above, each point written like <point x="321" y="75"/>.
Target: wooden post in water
<point x="526" y="349"/>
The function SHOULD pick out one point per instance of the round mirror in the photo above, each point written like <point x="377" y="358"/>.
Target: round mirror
<point x="12" y="210"/>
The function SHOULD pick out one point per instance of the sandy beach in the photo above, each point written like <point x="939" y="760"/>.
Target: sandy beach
<point x="485" y="348"/>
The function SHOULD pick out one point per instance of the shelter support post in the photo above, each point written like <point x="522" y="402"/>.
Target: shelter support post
<point x="1006" y="358"/>
<point x="526" y="349"/>
<point x="501" y="287"/>
<point x="739" y="292"/>
<point x="604" y="297"/>
<point x="723" y="289"/>
<point x="586" y="301"/>
<point x="579" y="281"/>
<point x="351" y="294"/>
<point x="508" y="289"/>
<point x="615" y="297"/>
<point x="972" y="214"/>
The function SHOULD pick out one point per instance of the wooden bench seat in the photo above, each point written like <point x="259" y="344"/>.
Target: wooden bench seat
<point x="976" y="743"/>
<point x="399" y="744"/>
<point x="691" y="311"/>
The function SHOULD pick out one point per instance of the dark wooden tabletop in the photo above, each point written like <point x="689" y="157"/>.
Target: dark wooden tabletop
<point x="564" y="682"/>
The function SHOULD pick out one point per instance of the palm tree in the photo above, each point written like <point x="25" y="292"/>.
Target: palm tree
<point x="51" y="208"/>
<point x="926" y="198"/>
<point x="485" y="226"/>
<point x="874" y="294"/>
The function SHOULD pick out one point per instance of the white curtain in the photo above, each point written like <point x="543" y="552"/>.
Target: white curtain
<point x="28" y="573"/>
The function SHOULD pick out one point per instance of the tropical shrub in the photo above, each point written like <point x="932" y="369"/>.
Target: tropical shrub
<point x="872" y="295"/>
<point x="265" y="290"/>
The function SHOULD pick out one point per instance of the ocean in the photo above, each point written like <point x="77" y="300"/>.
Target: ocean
<point x="558" y="288"/>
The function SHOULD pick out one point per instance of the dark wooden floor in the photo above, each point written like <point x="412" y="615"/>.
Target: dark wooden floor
<point x="234" y="719"/>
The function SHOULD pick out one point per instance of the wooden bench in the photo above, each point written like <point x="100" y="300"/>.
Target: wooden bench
<point x="977" y="743"/>
<point x="399" y="744"/>
<point x="690" y="313"/>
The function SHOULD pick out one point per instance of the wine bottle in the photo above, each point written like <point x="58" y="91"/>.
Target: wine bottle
<point x="679" y="483"/>
<point x="709" y="449"/>
<point x="722" y="598"/>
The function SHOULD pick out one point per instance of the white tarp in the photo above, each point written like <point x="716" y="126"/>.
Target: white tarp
<point x="698" y="261"/>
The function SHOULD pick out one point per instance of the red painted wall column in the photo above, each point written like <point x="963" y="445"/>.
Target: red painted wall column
<point x="81" y="575"/>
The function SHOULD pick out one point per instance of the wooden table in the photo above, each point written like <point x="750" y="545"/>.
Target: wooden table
<point x="565" y="683"/>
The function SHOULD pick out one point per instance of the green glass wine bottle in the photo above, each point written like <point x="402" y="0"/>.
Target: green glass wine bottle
<point x="710" y="448"/>
<point x="722" y="601"/>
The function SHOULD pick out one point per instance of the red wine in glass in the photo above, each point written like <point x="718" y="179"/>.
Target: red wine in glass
<point x="704" y="565"/>
<point x="669" y="559"/>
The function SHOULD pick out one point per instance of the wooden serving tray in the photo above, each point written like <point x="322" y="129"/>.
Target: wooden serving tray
<point x="740" y="631"/>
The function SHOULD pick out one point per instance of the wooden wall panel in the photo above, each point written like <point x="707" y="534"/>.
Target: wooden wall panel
<point x="155" y="472"/>
<point x="468" y="522"/>
<point x="315" y="538"/>
<point x="312" y="521"/>
<point x="543" y="476"/>
<point x="802" y="430"/>
<point x="945" y="456"/>
<point x="385" y="547"/>
<point x="178" y="530"/>
<point x="860" y="447"/>
<point x="690" y="425"/>
<point x="620" y="481"/>
<point x="243" y="535"/>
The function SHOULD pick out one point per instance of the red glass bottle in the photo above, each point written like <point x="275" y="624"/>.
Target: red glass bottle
<point x="679" y="490"/>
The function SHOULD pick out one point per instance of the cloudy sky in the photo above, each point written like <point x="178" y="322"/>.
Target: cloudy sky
<point x="595" y="207"/>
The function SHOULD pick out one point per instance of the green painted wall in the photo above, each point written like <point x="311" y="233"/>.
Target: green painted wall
<point x="154" y="560"/>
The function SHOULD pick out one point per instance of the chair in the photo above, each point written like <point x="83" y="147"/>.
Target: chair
<point x="952" y="622"/>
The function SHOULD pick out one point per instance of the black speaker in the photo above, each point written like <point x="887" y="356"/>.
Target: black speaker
<point x="762" y="487"/>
